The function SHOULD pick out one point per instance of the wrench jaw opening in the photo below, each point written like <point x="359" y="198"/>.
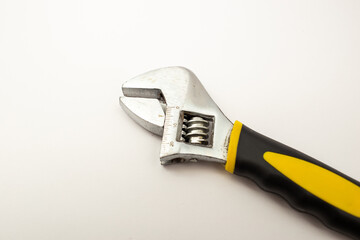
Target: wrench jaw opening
<point x="194" y="128"/>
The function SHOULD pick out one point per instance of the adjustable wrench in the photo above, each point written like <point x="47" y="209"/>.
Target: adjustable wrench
<point x="172" y="103"/>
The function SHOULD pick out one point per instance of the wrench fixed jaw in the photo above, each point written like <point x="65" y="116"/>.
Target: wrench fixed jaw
<point x="194" y="127"/>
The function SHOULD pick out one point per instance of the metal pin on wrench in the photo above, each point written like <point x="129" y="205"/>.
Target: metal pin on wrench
<point x="172" y="103"/>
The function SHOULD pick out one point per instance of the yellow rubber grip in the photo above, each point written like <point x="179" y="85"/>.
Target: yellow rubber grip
<point x="319" y="181"/>
<point x="232" y="149"/>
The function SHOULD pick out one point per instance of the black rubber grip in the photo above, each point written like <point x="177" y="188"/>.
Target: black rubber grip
<point x="250" y="163"/>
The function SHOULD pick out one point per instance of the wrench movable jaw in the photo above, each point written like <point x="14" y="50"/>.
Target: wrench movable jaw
<point x="194" y="126"/>
<point x="147" y="112"/>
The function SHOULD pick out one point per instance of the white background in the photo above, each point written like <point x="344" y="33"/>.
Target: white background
<point x="73" y="165"/>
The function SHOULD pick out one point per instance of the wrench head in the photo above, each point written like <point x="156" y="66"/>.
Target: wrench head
<point x="173" y="103"/>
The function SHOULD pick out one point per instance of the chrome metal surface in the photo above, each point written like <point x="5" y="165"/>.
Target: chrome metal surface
<point x="146" y="112"/>
<point x="197" y="130"/>
<point x="181" y="92"/>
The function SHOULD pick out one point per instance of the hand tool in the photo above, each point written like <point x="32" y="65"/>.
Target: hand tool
<point x="172" y="103"/>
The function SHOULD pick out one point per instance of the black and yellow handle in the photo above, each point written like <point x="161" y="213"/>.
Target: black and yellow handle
<point x="306" y="184"/>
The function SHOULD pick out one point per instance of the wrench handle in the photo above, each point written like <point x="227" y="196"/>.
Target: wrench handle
<point x="307" y="184"/>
